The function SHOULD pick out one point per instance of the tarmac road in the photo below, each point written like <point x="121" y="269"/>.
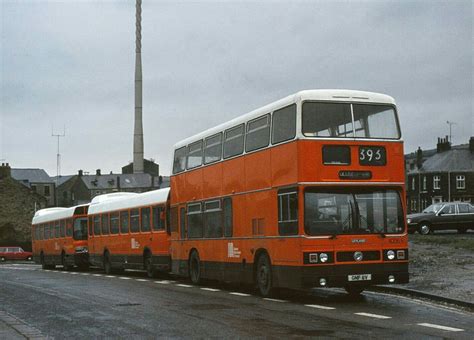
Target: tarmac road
<point x="71" y="304"/>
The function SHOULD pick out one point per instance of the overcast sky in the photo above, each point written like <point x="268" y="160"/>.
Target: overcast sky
<point x="72" y="63"/>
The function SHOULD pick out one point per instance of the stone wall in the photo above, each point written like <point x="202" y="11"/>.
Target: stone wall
<point x="17" y="207"/>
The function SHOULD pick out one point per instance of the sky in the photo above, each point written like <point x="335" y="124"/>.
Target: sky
<point x="70" y="65"/>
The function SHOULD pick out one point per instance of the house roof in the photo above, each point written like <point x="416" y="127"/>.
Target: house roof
<point x="61" y="179"/>
<point x="127" y="181"/>
<point x="28" y="176"/>
<point x="458" y="158"/>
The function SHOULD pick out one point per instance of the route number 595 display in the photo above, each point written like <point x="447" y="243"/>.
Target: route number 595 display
<point x="372" y="155"/>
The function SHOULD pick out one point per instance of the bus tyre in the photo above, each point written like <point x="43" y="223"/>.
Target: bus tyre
<point x="150" y="269"/>
<point x="264" y="275"/>
<point x="43" y="264"/>
<point x="195" y="268"/>
<point x="354" y="290"/>
<point x="107" y="264"/>
<point x="424" y="229"/>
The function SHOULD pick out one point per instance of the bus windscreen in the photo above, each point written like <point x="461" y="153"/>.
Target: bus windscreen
<point x="80" y="229"/>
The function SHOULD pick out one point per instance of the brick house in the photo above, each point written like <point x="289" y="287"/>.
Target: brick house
<point x="38" y="181"/>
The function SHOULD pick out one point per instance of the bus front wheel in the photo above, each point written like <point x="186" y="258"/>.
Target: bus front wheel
<point x="264" y="275"/>
<point x="195" y="268"/>
<point x="107" y="264"/>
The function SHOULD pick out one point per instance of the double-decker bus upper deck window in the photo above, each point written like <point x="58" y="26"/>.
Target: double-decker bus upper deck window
<point x="358" y="211"/>
<point x="179" y="163"/>
<point x="124" y="224"/>
<point x="284" y="124"/>
<point x="134" y="220"/>
<point x="158" y="218"/>
<point x="96" y="225"/>
<point x="194" y="158"/>
<point x="145" y="225"/>
<point x="213" y="219"/>
<point x="234" y="141"/>
<point x="114" y="223"/>
<point x="327" y="119"/>
<point x="375" y="121"/>
<point x="213" y="149"/>
<point x="258" y="133"/>
<point x="288" y="212"/>
<point x="195" y="221"/>
<point x="80" y="228"/>
<point x="105" y="224"/>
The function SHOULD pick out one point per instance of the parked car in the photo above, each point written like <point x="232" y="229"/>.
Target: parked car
<point x="442" y="216"/>
<point x="14" y="253"/>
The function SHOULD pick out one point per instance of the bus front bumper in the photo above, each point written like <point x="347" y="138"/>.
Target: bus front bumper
<point x="341" y="275"/>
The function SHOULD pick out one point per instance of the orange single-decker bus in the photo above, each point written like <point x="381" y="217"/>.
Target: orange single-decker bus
<point x="59" y="237"/>
<point x="129" y="231"/>
<point x="304" y="192"/>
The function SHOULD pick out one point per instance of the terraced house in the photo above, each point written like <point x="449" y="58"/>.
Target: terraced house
<point x="444" y="174"/>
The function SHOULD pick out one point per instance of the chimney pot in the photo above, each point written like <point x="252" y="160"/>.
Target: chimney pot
<point x="97" y="172"/>
<point x="80" y="172"/>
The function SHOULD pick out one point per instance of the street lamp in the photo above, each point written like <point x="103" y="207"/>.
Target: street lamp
<point x="450" y="125"/>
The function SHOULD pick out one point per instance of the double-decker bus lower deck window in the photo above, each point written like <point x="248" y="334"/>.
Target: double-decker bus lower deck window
<point x="195" y="221"/>
<point x="258" y="133"/>
<point x="234" y="141"/>
<point x="179" y="163"/>
<point x="69" y="227"/>
<point x="327" y="120"/>
<point x="213" y="219"/>
<point x="288" y="213"/>
<point x="105" y="224"/>
<point x="284" y="124"/>
<point x="80" y="229"/>
<point x="375" y="121"/>
<point x="194" y="158"/>
<point x="134" y="220"/>
<point x="145" y="225"/>
<point x="227" y="212"/>
<point x="96" y="225"/>
<point x="358" y="211"/>
<point x="56" y="229"/>
<point x="62" y="228"/>
<point x="114" y="223"/>
<point x="124" y="224"/>
<point x="213" y="149"/>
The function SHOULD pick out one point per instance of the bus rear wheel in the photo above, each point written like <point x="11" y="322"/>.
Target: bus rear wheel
<point x="64" y="262"/>
<point x="150" y="269"/>
<point x="195" y="268"/>
<point x="264" y="275"/>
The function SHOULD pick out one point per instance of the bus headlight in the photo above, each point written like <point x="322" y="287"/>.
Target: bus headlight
<point x="81" y="250"/>
<point x="390" y="254"/>
<point x="323" y="257"/>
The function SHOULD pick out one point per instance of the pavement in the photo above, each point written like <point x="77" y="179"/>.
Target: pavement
<point x="73" y="304"/>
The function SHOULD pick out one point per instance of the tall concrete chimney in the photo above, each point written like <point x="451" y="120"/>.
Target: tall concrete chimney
<point x="138" y="130"/>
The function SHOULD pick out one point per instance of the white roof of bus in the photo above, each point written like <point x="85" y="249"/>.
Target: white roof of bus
<point x="53" y="214"/>
<point x="333" y="95"/>
<point x="129" y="201"/>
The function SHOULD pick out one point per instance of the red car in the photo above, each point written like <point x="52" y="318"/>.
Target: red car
<point x="14" y="253"/>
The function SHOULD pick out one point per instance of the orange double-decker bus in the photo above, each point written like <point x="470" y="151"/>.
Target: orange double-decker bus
<point x="304" y="192"/>
<point x="59" y="237"/>
<point x="129" y="231"/>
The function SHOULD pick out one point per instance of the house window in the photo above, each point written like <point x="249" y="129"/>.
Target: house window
<point x="437" y="182"/>
<point x="46" y="191"/>
<point x="460" y="182"/>
<point x="424" y="183"/>
<point x="33" y="187"/>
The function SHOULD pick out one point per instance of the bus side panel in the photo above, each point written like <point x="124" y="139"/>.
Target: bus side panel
<point x="284" y="164"/>
<point x="257" y="170"/>
<point x="233" y="175"/>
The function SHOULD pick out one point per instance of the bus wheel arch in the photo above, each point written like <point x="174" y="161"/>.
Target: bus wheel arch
<point x="64" y="261"/>
<point x="194" y="266"/>
<point x="263" y="274"/>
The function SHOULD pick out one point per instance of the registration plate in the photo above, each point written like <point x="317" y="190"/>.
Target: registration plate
<point x="360" y="277"/>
